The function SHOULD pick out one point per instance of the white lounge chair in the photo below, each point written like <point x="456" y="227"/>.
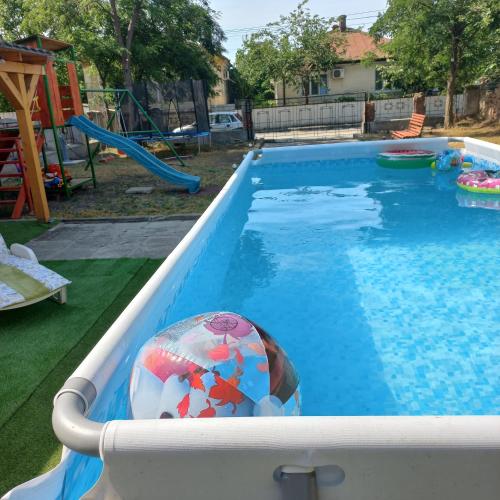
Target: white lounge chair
<point x="23" y="281"/>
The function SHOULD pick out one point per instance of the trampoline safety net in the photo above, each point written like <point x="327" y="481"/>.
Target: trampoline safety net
<point x="170" y="105"/>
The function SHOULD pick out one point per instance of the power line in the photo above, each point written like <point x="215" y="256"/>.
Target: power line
<point x="364" y="12"/>
<point x="364" y="17"/>
<point x="242" y="30"/>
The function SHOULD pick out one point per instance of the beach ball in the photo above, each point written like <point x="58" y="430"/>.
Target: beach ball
<point x="213" y="365"/>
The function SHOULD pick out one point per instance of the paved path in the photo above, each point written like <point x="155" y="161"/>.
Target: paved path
<point x="110" y="240"/>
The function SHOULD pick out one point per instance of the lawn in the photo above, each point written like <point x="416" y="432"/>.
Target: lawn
<point x="22" y="231"/>
<point x="40" y="347"/>
<point x="114" y="178"/>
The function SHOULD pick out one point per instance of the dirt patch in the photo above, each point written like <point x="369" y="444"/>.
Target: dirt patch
<point x="485" y="131"/>
<point x="115" y="177"/>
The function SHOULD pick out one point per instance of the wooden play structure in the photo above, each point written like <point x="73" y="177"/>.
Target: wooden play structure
<point x="56" y="103"/>
<point x="11" y="153"/>
<point x="20" y="71"/>
<point x="41" y="104"/>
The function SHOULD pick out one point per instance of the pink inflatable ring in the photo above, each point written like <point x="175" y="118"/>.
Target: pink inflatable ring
<point x="480" y="181"/>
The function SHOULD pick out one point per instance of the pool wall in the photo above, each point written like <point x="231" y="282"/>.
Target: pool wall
<point x="354" y="458"/>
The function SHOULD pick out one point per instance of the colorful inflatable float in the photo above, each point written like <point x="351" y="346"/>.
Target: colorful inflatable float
<point x="480" y="181"/>
<point x="406" y="158"/>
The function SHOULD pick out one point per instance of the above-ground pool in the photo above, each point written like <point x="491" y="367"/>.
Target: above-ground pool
<point x="383" y="287"/>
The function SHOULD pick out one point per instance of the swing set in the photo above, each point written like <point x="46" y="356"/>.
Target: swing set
<point x="155" y="134"/>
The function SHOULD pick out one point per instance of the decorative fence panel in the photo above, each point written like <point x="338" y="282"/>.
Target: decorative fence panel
<point x="387" y="109"/>
<point x="402" y="107"/>
<point x="338" y="116"/>
<point x="435" y="105"/>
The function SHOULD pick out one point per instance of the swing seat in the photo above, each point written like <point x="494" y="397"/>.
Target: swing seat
<point x="23" y="281"/>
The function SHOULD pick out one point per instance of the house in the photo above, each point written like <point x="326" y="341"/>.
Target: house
<point x="220" y="91"/>
<point x="349" y="75"/>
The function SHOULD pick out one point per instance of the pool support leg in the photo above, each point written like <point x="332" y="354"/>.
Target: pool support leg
<point x="297" y="483"/>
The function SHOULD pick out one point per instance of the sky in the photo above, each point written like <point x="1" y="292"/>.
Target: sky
<point x="236" y="16"/>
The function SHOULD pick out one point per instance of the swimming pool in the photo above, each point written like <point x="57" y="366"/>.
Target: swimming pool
<point x="383" y="289"/>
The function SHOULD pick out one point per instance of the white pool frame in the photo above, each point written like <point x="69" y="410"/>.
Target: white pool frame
<point x="344" y="458"/>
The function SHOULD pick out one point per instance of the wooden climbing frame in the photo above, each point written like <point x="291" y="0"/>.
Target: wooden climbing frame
<point x="20" y="70"/>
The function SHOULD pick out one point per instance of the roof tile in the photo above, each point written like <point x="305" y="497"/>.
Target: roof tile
<point x="357" y="45"/>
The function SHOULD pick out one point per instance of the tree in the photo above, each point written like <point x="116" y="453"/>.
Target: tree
<point x="295" y="50"/>
<point x="126" y="40"/>
<point x="255" y="67"/>
<point x="439" y="43"/>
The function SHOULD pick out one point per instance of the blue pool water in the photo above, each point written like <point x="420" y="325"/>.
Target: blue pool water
<point x="383" y="290"/>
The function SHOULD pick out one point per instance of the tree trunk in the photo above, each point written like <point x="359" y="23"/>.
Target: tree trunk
<point x="449" y="116"/>
<point x="125" y="46"/>
<point x="305" y="85"/>
<point x="284" y="91"/>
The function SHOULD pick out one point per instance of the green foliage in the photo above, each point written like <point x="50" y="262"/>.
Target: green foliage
<point x="424" y="35"/>
<point x="4" y="104"/>
<point x="254" y="66"/>
<point x="295" y="49"/>
<point x="172" y="38"/>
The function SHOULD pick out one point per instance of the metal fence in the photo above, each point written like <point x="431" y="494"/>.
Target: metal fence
<point x="309" y="118"/>
<point x="330" y="116"/>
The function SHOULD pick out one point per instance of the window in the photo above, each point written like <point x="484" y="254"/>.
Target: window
<point x="319" y="86"/>
<point x="223" y="119"/>
<point x="380" y="83"/>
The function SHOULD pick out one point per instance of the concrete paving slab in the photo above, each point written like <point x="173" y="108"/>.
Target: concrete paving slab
<point x="110" y="240"/>
<point x="140" y="190"/>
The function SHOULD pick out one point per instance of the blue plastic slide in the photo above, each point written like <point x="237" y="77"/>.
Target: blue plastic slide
<point x="139" y="154"/>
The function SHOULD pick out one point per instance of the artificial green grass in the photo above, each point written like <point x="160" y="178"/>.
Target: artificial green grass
<point x="22" y="231"/>
<point x="45" y="343"/>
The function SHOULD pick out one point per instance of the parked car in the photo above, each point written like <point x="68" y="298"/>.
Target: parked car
<point x="219" y="120"/>
<point x="223" y="120"/>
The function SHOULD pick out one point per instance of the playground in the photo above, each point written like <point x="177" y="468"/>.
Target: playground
<point x="110" y="199"/>
<point x="51" y="148"/>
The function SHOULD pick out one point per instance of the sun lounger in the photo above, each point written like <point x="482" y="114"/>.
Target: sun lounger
<point x="414" y="129"/>
<point x="23" y="281"/>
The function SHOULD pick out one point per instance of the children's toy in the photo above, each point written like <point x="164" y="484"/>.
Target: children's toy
<point x="52" y="181"/>
<point x="406" y="158"/>
<point x="213" y="365"/>
<point x="448" y="159"/>
<point x="54" y="168"/>
<point x="480" y="181"/>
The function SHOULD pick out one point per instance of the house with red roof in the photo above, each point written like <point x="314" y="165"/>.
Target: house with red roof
<point x="349" y="75"/>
